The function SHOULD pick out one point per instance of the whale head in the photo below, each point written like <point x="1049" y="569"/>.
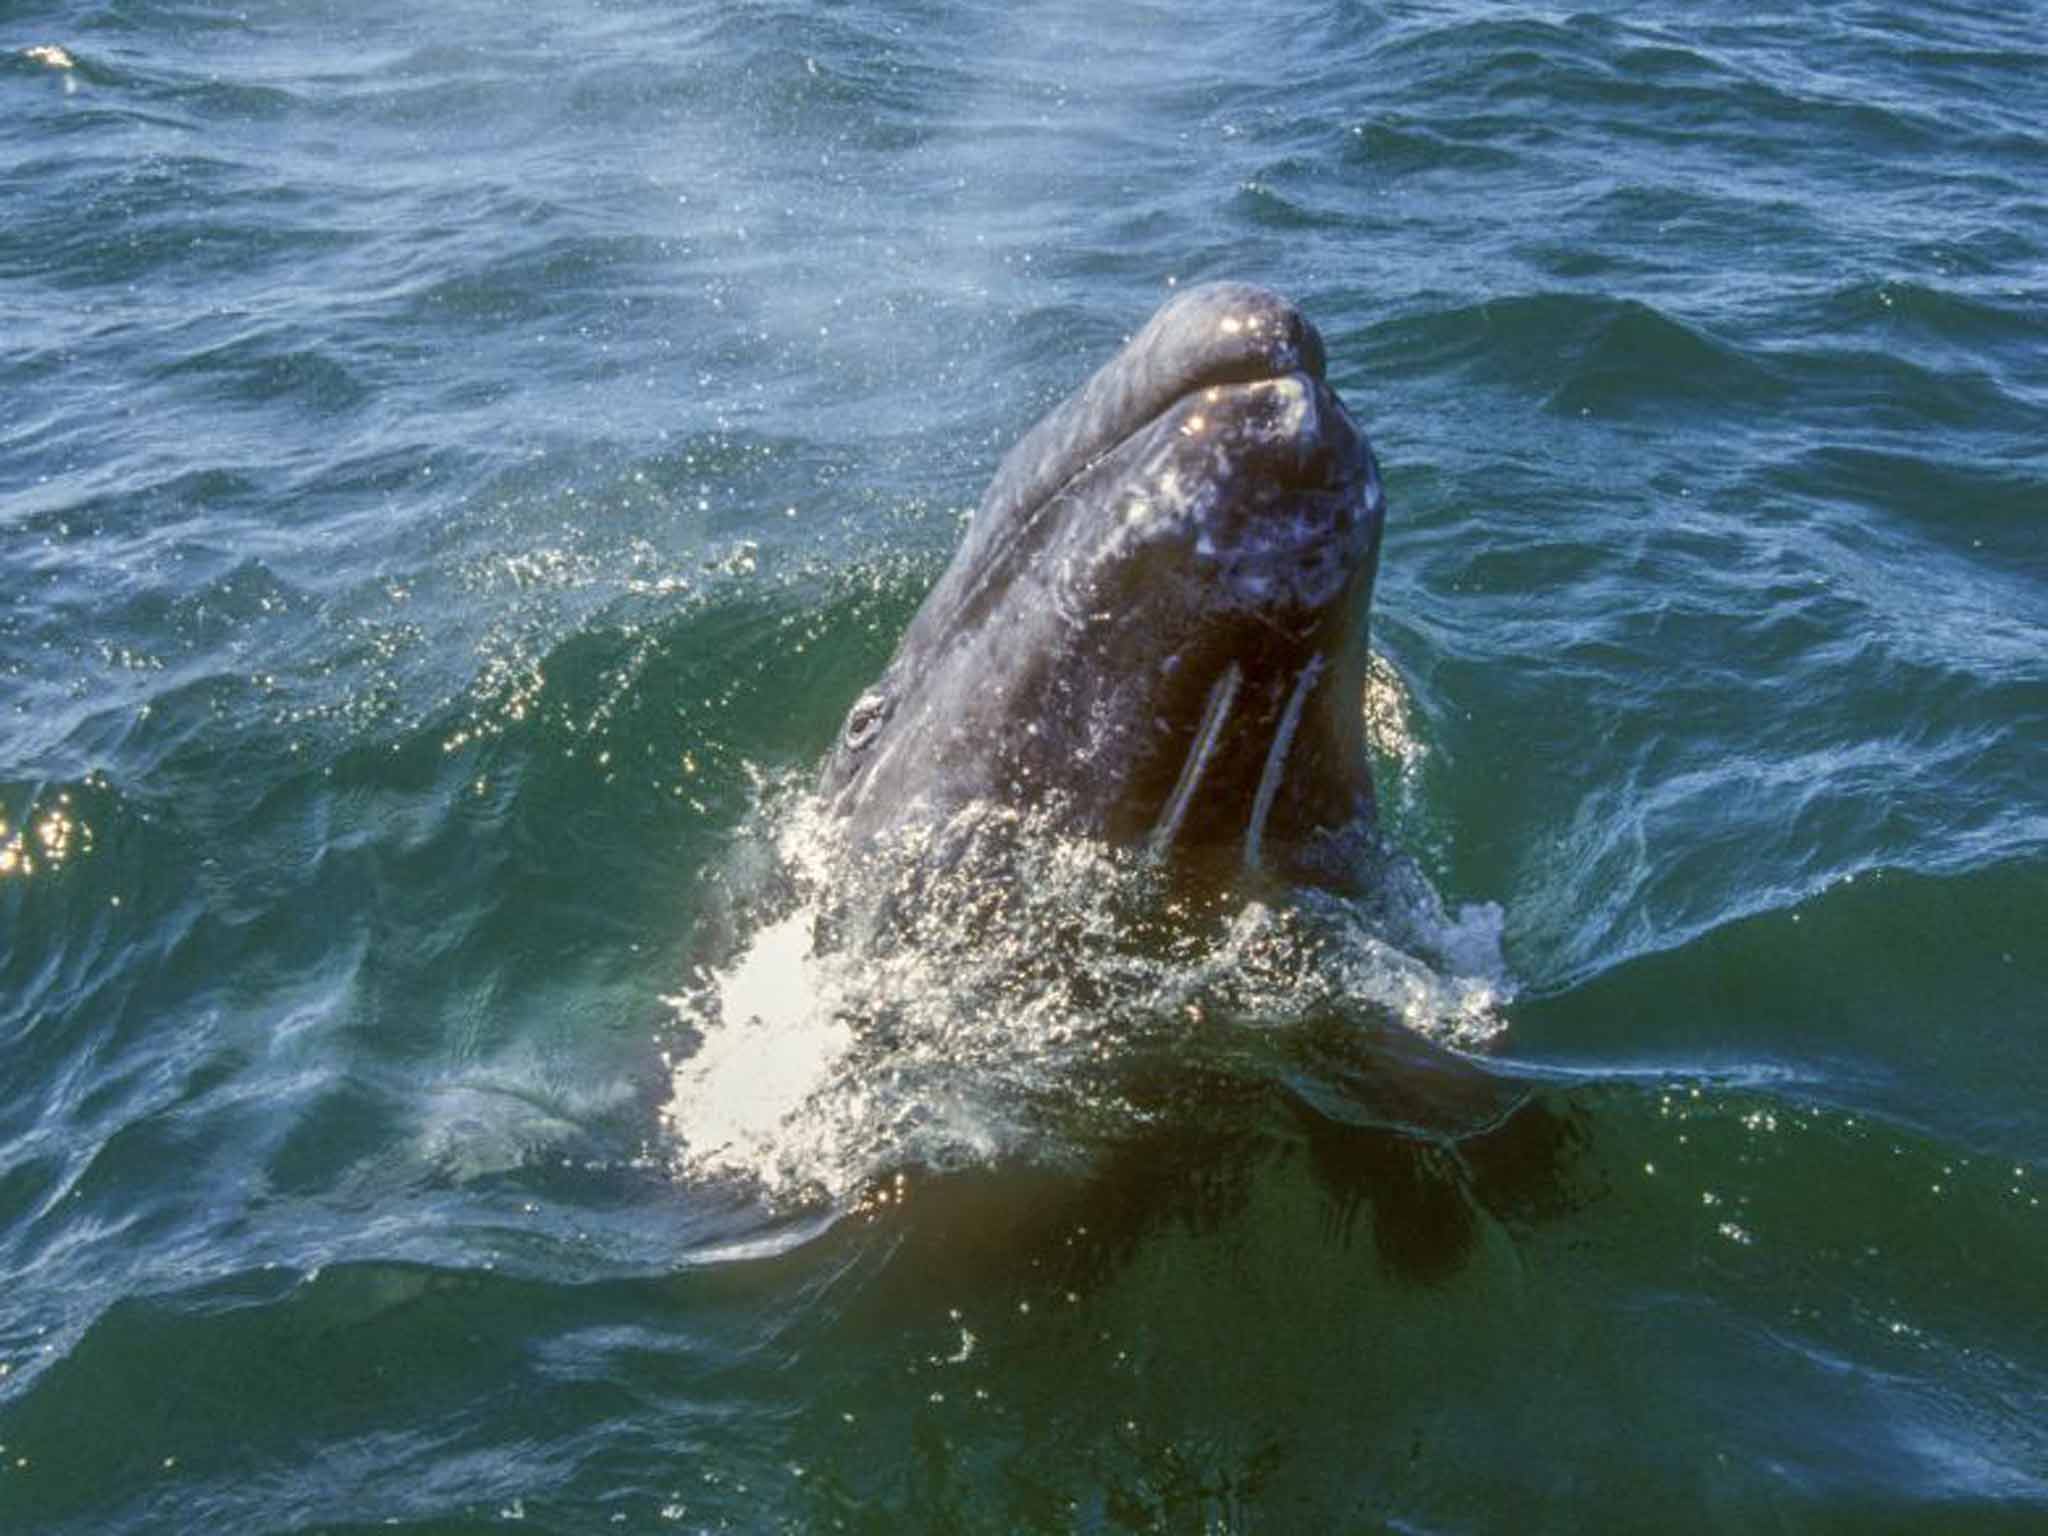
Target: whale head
<point x="1154" y="629"/>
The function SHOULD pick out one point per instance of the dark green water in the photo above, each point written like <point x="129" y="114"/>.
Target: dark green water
<point x="458" y="466"/>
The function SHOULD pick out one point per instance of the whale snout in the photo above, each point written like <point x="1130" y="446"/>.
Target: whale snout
<point x="1290" y="430"/>
<point x="1266" y="486"/>
<point x="1225" y="332"/>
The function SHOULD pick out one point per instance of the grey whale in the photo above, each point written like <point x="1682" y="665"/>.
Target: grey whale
<point x="1154" y="629"/>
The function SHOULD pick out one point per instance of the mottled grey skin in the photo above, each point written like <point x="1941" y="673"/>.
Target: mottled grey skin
<point x="1156" y="623"/>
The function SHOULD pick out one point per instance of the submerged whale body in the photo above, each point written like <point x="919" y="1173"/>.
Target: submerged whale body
<point x="1154" y="630"/>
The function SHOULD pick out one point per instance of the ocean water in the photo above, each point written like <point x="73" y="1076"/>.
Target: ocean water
<point x="458" y="465"/>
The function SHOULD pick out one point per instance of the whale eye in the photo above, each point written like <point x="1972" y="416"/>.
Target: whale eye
<point x="865" y="719"/>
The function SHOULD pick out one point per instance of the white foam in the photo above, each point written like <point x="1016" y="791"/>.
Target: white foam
<point x="774" y="1043"/>
<point x="952" y="999"/>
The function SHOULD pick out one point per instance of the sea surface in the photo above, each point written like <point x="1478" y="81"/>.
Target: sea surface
<point x="458" y="464"/>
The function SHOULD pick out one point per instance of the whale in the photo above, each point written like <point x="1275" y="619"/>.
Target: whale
<point x="1154" y="630"/>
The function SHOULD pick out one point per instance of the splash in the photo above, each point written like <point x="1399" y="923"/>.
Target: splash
<point x="53" y="57"/>
<point x="986" y="989"/>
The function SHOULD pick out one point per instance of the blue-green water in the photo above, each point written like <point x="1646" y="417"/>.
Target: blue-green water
<point x="457" y="465"/>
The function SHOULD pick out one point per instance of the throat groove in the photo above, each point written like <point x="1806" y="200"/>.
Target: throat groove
<point x="1222" y="695"/>
<point x="1276" y="760"/>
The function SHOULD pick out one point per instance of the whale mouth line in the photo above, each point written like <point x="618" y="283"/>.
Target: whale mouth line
<point x="1201" y="392"/>
<point x="1023" y="525"/>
